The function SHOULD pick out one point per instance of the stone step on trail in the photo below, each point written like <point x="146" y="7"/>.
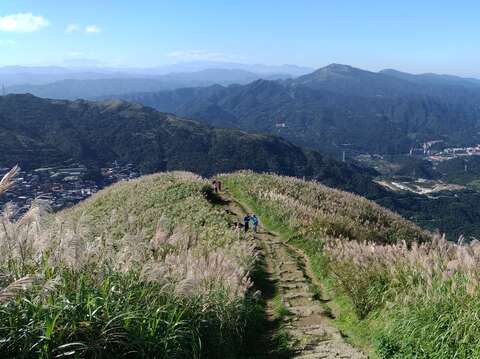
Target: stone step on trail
<point x="308" y="325"/>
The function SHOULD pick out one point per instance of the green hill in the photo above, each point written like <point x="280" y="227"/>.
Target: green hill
<point x="392" y="289"/>
<point x="37" y="132"/>
<point x="150" y="266"/>
<point x="336" y="108"/>
<point x="154" y="267"/>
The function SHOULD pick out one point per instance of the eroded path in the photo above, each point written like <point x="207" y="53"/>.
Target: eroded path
<point x="311" y="331"/>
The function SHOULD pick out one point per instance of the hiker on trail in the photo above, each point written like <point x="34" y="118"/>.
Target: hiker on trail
<point x="215" y="186"/>
<point x="219" y="185"/>
<point x="255" y="223"/>
<point x="246" y="222"/>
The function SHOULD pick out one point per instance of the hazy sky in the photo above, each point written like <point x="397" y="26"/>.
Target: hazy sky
<point x="417" y="36"/>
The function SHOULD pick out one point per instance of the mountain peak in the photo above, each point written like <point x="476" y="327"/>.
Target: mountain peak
<point x="338" y="68"/>
<point x="334" y="71"/>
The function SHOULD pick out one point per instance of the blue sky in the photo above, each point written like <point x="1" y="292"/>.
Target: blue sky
<point x="417" y="36"/>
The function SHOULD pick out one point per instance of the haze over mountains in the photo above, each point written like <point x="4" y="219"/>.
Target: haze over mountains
<point x="91" y="88"/>
<point x="41" y="75"/>
<point x="332" y="109"/>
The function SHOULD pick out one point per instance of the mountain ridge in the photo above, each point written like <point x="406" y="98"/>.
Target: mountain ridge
<point x="335" y="105"/>
<point x="115" y="84"/>
<point x="37" y="132"/>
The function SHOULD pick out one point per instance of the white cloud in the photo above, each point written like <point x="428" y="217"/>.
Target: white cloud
<point x="191" y="55"/>
<point x="7" y="42"/>
<point x="73" y="28"/>
<point x="92" y="29"/>
<point x="22" y="22"/>
<point x="74" y="53"/>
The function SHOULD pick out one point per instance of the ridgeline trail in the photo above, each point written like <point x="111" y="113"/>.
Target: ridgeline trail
<point x="308" y="323"/>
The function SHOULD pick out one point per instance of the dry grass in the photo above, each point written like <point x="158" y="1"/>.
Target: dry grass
<point x="315" y="211"/>
<point x="418" y="294"/>
<point x="8" y="180"/>
<point x="427" y="294"/>
<point x="158" y="264"/>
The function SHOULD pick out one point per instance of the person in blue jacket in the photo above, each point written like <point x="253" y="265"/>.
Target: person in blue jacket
<point x="255" y="223"/>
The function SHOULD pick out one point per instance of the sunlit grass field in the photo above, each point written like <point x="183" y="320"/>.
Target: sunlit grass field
<point x="398" y="291"/>
<point x="147" y="268"/>
<point x="153" y="268"/>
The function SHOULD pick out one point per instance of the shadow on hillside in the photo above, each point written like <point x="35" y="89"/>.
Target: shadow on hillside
<point x="263" y="339"/>
<point x="213" y="197"/>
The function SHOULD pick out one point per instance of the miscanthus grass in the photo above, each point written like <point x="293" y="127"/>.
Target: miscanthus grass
<point x="147" y="268"/>
<point x="418" y="294"/>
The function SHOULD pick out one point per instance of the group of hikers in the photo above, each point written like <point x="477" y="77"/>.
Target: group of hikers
<point x="246" y="222"/>
<point x="217" y="186"/>
<point x="249" y="217"/>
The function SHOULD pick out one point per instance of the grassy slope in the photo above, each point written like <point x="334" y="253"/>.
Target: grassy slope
<point x="312" y="211"/>
<point x="111" y="290"/>
<point x="182" y="198"/>
<point x="137" y="206"/>
<point x="304" y="213"/>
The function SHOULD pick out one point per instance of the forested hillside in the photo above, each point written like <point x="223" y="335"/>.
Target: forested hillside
<point x="337" y="108"/>
<point x="38" y="132"/>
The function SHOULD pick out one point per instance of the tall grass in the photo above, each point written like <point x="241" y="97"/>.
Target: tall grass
<point x="147" y="268"/>
<point x="418" y="293"/>
<point x="428" y="294"/>
<point x="313" y="211"/>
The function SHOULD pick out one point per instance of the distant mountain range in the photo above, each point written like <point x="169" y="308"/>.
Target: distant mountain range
<point x="333" y="109"/>
<point x="434" y="79"/>
<point x="349" y="80"/>
<point x="72" y="89"/>
<point x="42" y="75"/>
<point x="338" y="108"/>
<point x="193" y="66"/>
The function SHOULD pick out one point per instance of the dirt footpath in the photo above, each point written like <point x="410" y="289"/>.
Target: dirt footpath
<point x="311" y="331"/>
